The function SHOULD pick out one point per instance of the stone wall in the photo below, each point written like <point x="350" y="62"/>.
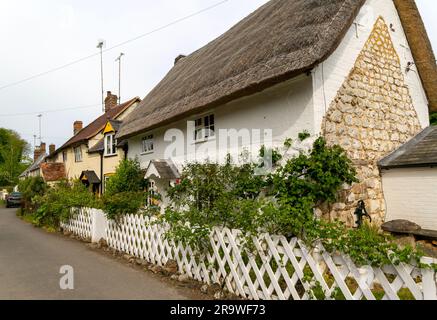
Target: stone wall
<point x="371" y="116"/>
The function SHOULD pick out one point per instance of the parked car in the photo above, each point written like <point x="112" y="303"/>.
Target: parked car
<point x="13" y="200"/>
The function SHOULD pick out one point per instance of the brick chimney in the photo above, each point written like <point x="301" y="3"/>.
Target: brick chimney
<point x="111" y="101"/>
<point x="52" y="149"/>
<point x="36" y="153"/>
<point x="77" y="126"/>
<point x="39" y="151"/>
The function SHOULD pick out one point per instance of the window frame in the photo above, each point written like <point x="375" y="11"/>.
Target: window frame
<point x="78" y="156"/>
<point x="150" y="140"/>
<point x="151" y="192"/>
<point x="64" y="156"/>
<point x="205" y="127"/>
<point x="112" y="144"/>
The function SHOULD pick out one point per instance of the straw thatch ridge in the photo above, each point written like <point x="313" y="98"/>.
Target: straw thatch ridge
<point x="420" y="47"/>
<point x="278" y="41"/>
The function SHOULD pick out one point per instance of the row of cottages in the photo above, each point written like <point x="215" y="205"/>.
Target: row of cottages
<point x="361" y="73"/>
<point x="92" y="154"/>
<point x="50" y="172"/>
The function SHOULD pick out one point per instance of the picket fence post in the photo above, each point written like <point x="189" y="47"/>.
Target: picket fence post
<point x="99" y="225"/>
<point x="429" y="280"/>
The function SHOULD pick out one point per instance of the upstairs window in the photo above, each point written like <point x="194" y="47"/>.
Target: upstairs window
<point x="147" y="144"/>
<point x="204" y="128"/>
<point x="78" y="154"/>
<point x="64" y="156"/>
<point x="110" y="145"/>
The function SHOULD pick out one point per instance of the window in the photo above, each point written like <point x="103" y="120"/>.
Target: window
<point x="147" y="144"/>
<point x="64" y="156"/>
<point x="204" y="128"/>
<point x="78" y="154"/>
<point x="110" y="145"/>
<point x="151" y="192"/>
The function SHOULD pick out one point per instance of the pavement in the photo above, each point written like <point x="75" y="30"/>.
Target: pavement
<point x="31" y="259"/>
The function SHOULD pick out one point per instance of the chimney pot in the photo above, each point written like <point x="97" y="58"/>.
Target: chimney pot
<point x="42" y="147"/>
<point x="111" y="101"/>
<point x="77" y="126"/>
<point x="52" y="149"/>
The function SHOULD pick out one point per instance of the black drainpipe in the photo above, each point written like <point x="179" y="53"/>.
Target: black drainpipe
<point x="101" y="173"/>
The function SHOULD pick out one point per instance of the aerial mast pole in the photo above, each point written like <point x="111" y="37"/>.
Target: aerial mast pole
<point x="100" y="46"/>
<point x="119" y="76"/>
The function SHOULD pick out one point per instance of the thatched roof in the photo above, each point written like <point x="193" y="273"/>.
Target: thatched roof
<point x="421" y="151"/>
<point x="420" y="47"/>
<point x="278" y="41"/>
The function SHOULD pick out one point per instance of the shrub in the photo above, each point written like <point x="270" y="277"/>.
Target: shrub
<point x="123" y="203"/>
<point x="56" y="204"/>
<point x="30" y="188"/>
<point x="124" y="192"/>
<point x="128" y="178"/>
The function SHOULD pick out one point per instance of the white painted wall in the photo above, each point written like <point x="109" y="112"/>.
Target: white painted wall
<point x="286" y="109"/>
<point x="329" y="76"/>
<point x="411" y="194"/>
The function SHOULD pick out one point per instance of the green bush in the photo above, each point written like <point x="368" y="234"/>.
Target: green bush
<point x="123" y="203"/>
<point x="124" y="192"/>
<point x="128" y="178"/>
<point x="30" y="188"/>
<point x="56" y="204"/>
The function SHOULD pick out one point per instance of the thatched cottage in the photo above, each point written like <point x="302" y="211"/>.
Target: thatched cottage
<point x="361" y="73"/>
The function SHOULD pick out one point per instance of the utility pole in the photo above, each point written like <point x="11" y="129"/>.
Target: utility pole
<point x="100" y="46"/>
<point x="40" y="135"/>
<point x="119" y="76"/>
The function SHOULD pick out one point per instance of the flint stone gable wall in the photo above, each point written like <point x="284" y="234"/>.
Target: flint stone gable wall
<point x="371" y="116"/>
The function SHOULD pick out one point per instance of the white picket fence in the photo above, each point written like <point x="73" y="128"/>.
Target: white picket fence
<point x="80" y="223"/>
<point x="277" y="269"/>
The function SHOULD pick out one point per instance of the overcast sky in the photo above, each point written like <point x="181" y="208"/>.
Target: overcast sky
<point x="39" y="35"/>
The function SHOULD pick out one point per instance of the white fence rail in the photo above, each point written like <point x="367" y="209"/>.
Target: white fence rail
<point x="80" y="223"/>
<point x="277" y="269"/>
<point x="87" y="223"/>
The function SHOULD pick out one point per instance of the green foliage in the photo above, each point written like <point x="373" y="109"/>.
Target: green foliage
<point x="272" y="156"/>
<point x="305" y="182"/>
<point x="366" y="245"/>
<point x="304" y="135"/>
<point x="56" y="204"/>
<point x="13" y="157"/>
<point x="212" y="194"/>
<point x="433" y="118"/>
<point x="127" y="178"/>
<point x="30" y="188"/>
<point x="283" y="202"/>
<point x="123" y="203"/>
<point x="124" y="192"/>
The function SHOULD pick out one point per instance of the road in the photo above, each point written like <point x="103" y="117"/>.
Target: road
<point x="30" y="262"/>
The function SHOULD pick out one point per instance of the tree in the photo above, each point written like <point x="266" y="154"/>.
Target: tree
<point x="14" y="158"/>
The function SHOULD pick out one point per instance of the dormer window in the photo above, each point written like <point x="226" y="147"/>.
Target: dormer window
<point x="110" y="145"/>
